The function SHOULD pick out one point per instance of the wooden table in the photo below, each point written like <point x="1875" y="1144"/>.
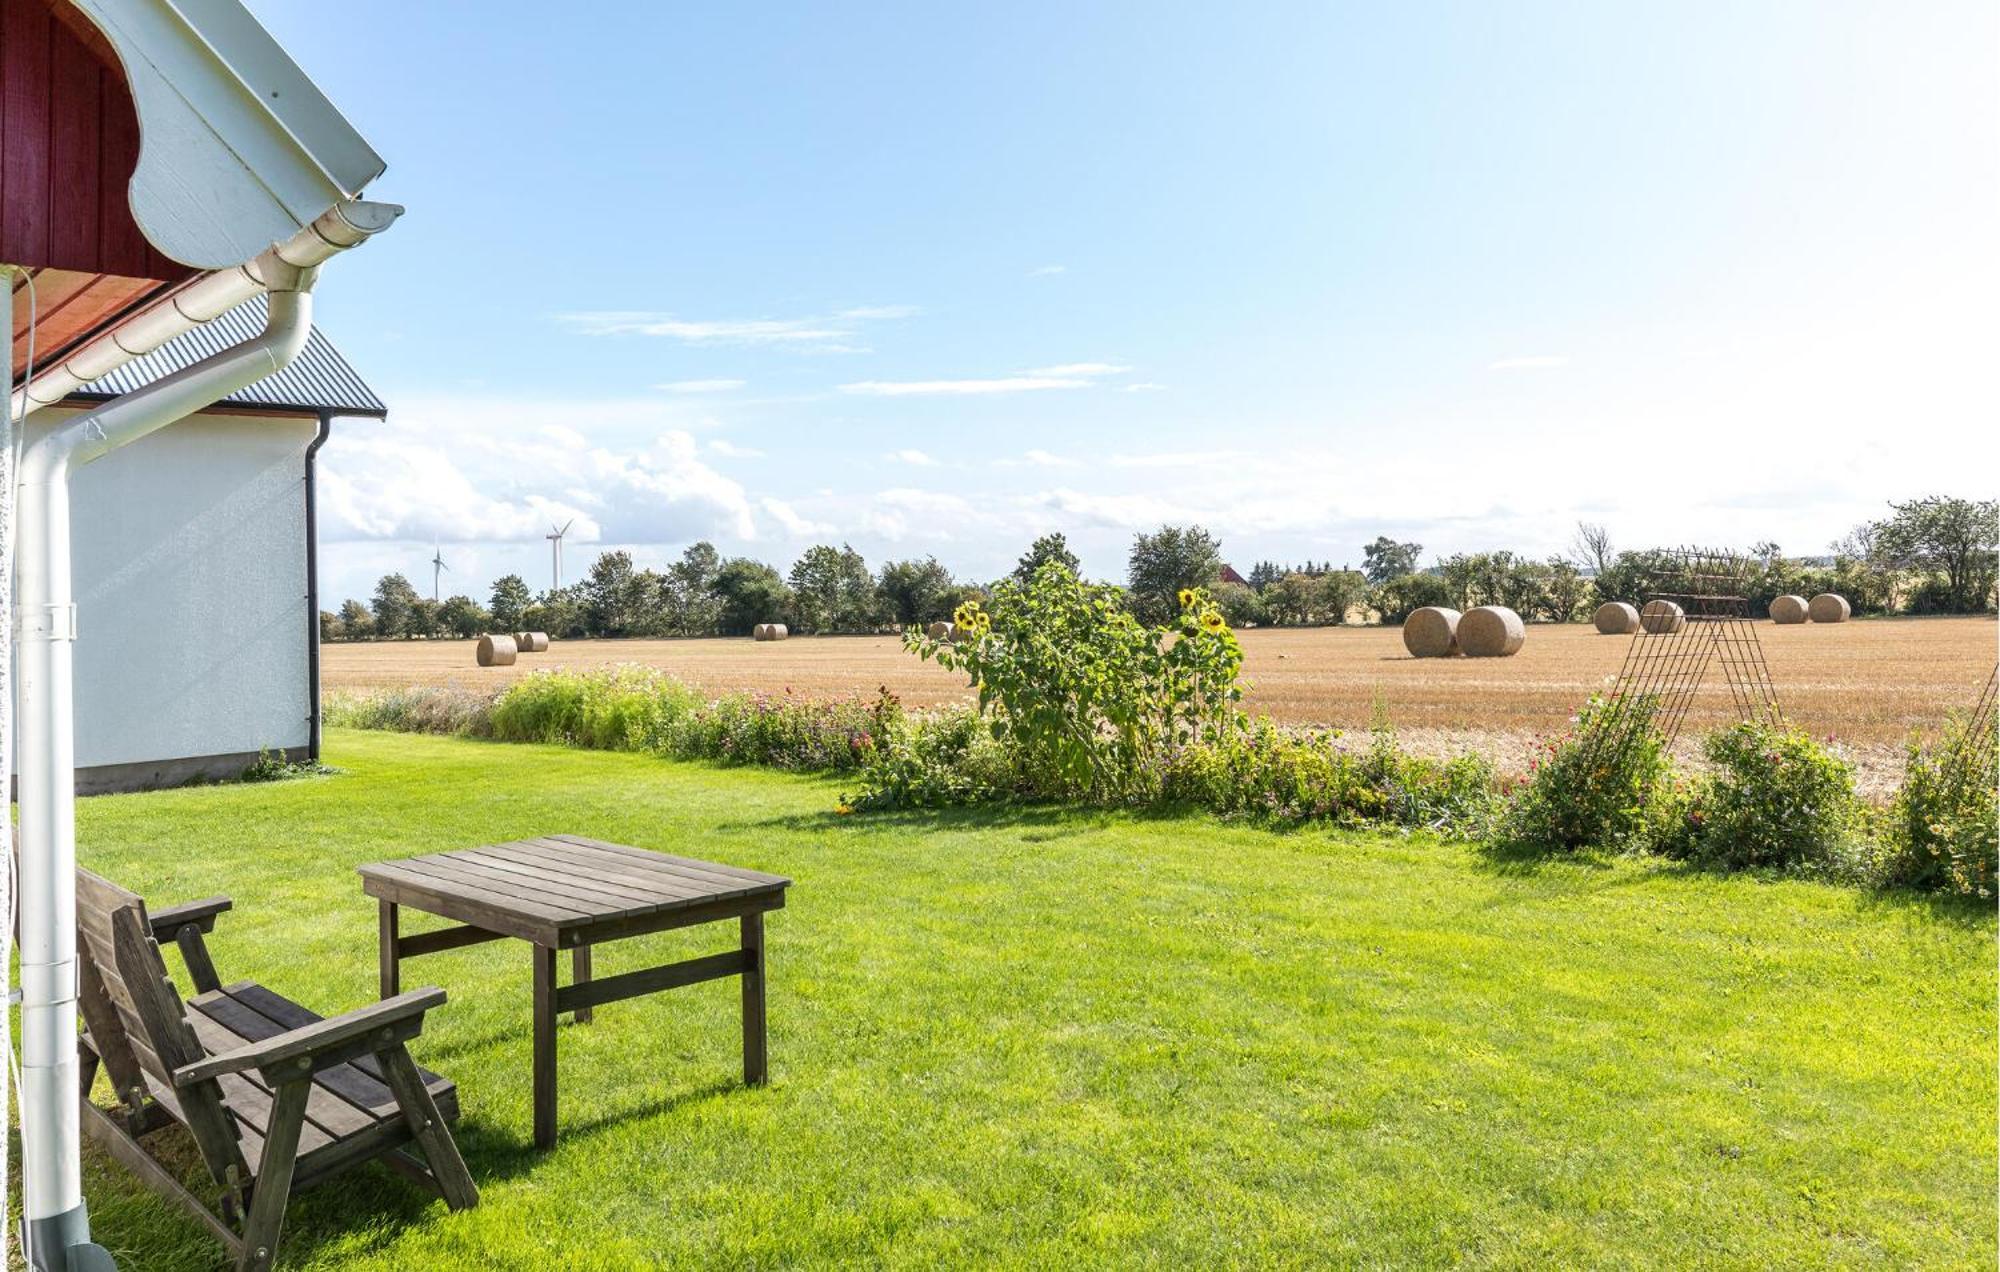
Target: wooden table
<point x="567" y="892"/>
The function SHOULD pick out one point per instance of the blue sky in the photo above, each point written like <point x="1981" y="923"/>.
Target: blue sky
<point x="934" y="279"/>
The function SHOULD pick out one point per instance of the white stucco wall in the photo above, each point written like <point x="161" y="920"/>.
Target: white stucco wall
<point x="189" y="557"/>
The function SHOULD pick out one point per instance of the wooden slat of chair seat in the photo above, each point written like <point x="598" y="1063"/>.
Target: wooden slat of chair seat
<point x="255" y="1013"/>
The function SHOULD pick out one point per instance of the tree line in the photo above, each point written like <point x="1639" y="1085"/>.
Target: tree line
<point x="1929" y="556"/>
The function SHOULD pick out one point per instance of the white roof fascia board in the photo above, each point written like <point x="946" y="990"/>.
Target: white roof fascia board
<point x="238" y="149"/>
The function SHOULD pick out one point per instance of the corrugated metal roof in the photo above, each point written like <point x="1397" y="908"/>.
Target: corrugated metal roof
<point x="319" y="379"/>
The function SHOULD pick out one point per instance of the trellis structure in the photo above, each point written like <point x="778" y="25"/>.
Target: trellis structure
<point x="1668" y="660"/>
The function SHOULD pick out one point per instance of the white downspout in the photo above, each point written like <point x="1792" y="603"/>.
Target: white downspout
<point x="52" y="1195"/>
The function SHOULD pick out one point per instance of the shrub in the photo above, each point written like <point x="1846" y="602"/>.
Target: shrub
<point x="615" y="709"/>
<point x="1776" y="798"/>
<point x="1302" y="776"/>
<point x="1592" y="786"/>
<point x="428" y="709"/>
<point x="779" y="731"/>
<point x="944" y="759"/>
<point x="1090" y="699"/>
<point x="1942" y="831"/>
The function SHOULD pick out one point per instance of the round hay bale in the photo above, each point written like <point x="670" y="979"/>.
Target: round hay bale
<point x="778" y="631"/>
<point x="761" y="631"/>
<point x="1788" y="609"/>
<point x="1617" y="618"/>
<point x="939" y="631"/>
<point x="1431" y="632"/>
<point x="1491" y="631"/>
<point x="1829" y="607"/>
<point x="1662" y="618"/>
<point x="531" y="642"/>
<point x="496" y="651"/>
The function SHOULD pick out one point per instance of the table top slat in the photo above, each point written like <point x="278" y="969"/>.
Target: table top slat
<point x="660" y="888"/>
<point x="702" y="890"/>
<point x="563" y="887"/>
<point x="712" y="880"/>
<point x="447" y="899"/>
<point x="653" y="857"/>
<point x="475" y="884"/>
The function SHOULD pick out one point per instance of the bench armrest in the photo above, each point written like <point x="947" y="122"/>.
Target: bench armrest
<point x="322" y="1044"/>
<point x="167" y="923"/>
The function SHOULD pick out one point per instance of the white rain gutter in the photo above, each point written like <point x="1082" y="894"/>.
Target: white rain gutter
<point x="57" y="1228"/>
<point x="209" y="296"/>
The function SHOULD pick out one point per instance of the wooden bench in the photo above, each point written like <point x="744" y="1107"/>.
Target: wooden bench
<point x="276" y="1098"/>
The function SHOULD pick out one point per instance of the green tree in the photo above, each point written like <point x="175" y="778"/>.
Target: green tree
<point x="329" y="626"/>
<point x="618" y="600"/>
<point x="1340" y="591"/>
<point x="356" y="623"/>
<point x="687" y="592"/>
<point x="1165" y="563"/>
<point x="559" y="612"/>
<point x="1240" y="605"/>
<point x="1386" y="559"/>
<point x="393" y="603"/>
<point x="509" y="603"/>
<point x="1407" y="592"/>
<point x="1564" y="590"/>
<point x="423" y="619"/>
<point x="1050" y="547"/>
<point x="747" y="593"/>
<point x="832" y="590"/>
<point x="461" y="616"/>
<point x="1953" y="539"/>
<point x="1294" y="600"/>
<point x="914" y="593"/>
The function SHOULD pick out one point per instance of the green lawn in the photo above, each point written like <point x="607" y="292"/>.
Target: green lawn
<point x="1062" y="1039"/>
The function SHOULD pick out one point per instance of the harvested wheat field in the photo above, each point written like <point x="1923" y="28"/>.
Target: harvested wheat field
<point x="1869" y="683"/>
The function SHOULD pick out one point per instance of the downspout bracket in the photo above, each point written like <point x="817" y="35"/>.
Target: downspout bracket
<point x="45" y="622"/>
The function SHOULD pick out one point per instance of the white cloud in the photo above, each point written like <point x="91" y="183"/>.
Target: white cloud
<point x="911" y="456"/>
<point x="961" y="388"/>
<point x="1144" y="386"/>
<point x="1182" y="459"/>
<point x="1046" y="271"/>
<point x="730" y="450"/>
<point x="498" y="470"/>
<point x="793" y="524"/>
<point x="1069" y="375"/>
<point x="1081" y="370"/>
<point x="1047" y="459"/>
<point x="1533" y="362"/>
<point x="833" y="334"/>
<point x="1120" y="512"/>
<point x="701" y="386"/>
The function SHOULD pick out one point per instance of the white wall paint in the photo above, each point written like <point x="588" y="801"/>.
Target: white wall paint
<point x="189" y="553"/>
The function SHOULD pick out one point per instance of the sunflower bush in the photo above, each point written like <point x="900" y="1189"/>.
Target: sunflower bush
<point x="1089" y="700"/>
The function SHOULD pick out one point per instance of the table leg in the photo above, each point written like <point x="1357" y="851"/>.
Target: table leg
<point x="754" y="1068"/>
<point x="580" y="966"/>
<point x="390" y="952"/>
<point x="545" y="1046"/>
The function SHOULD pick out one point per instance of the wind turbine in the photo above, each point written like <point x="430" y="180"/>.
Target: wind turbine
<point x="555" y="551"/>
<point x="438" y="567"/>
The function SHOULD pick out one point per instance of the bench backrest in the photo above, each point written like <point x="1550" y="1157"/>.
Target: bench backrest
<point x="138" y="1024"/>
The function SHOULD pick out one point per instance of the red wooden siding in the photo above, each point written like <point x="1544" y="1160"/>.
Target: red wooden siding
<point x="69" y="139"/>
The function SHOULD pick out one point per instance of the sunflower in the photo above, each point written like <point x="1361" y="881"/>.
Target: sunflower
<point x="966" y="615"/>
<point x="1212" y="622"/>
<point x="1185" y="596"/>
